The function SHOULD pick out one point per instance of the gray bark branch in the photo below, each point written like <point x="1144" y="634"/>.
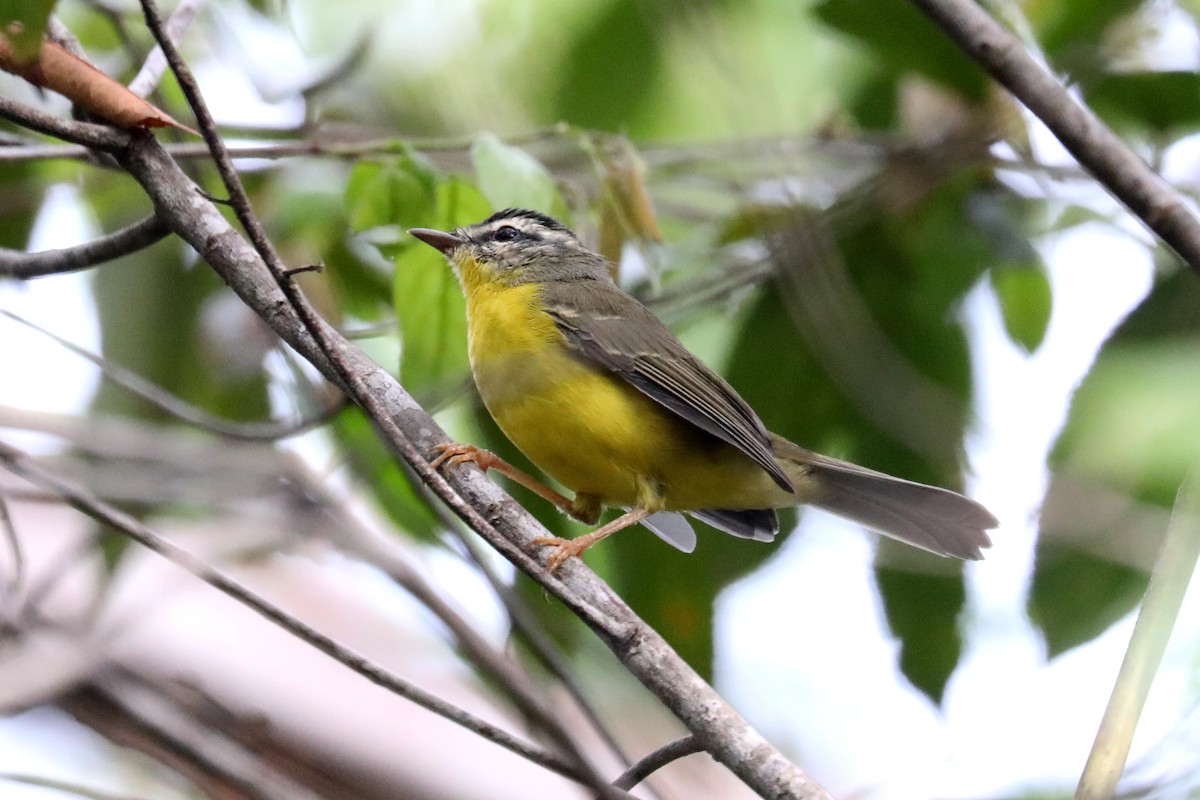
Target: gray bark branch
<point x="1093" y="144"/>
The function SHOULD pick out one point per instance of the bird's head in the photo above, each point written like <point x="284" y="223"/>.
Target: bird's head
<point x="516" y="246"/>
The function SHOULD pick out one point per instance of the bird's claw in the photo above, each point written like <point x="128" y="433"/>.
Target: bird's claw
<point x="453" y="454"/>
<point x="563" y="549"/>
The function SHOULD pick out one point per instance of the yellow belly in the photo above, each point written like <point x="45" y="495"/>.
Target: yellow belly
<point x="592" y="431"/>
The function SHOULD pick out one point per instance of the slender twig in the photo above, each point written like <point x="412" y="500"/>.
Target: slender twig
<point x="186" y="412"/>
<point x="138" y="236"/>
<point x="1101" y="152"/>
<point x="62" y="786"/>
<point x="156" y="63"/>
<point x="149" y="719"/>
<point x="527" y="628"/>
<point x="672" y="751"/>
<point x="1160" y="609"/>
<point x="383" y="553"/>
<point x="83" y="133"/>
<point x="20" y="464"/>
<point x="8" y="532"/>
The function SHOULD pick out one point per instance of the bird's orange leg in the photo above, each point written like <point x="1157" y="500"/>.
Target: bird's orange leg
<point x="454" y="454"/>
<point x="565" y="548"/>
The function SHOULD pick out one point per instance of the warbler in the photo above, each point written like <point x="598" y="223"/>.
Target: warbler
<point x="600" y="395"/>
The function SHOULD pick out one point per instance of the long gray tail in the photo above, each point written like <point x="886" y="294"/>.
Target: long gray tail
<point x="937" y="520"/>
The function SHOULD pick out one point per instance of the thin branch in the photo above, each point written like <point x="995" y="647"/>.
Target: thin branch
<point x="527" y="628"/>
<point x="1101" y="152"/>
<point x="138" y="236"/>
<point x="672" y="751"/>
<point x="83" y="133"/>
<point x="20" y="464"/>
<point x="382" y="552"/>
<point x="8" y="532"/>
<point x="1156" y="619"/>
<point x="138" y="386"/>
<point x="149" y="719"/>
<point x="156" y="63"/>
<point x="64" y="787"/>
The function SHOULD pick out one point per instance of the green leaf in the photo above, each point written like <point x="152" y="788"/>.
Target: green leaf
<point x="610" y="67"/>
<point x="1161" y="102"/>
<point x="428" y="301"/>
<point x="1075" y="596"/>
<point x="400" y="192"/>
<point x="906" y="39"/>
<point x="1133" y="423"/>
<point x="1071" y="31"/>
<point x="1128" y="443"/>
<point x="23" y="23"/>
<point x="1171" y="309"/>
<point x="511" y="178"/>
<point x="922" y="610"/>
<point x="879" y="329"/>
<point x="1025" y="303"/>
<point x="433" y="325"/>
<point x="371" y="462"/>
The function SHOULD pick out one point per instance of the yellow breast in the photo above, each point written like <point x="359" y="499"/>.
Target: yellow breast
<point x="590" y="430"/>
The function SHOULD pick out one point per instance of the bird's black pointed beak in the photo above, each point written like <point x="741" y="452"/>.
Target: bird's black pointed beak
<point x="446" y="242"/>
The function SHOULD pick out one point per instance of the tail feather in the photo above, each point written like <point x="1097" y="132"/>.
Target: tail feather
<point x="759" y="524"/>
<point x="937" y="520"/>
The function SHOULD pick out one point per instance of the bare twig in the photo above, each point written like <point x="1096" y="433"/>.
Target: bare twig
<point x="1101" y="152"/>
<point x="1160" y="609"/>
<point x="139" y="235"/>
<point x="527" y="628"/>
<point x="384" y="554"/>
<point x="20" y="464"/>
<point x="156" y="63"/>
<point x="672" y="751"/>
<point x="64" y="787"/>
<point x="148" y="719"/>
<point x="155" y="395"/>
<point x="13" y="582"/>
<point x="83" y="133"/>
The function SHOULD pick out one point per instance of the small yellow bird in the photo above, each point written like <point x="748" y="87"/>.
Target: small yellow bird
<point x="598" y="393"/>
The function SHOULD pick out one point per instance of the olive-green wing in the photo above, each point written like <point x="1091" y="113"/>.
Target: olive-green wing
<point x="604" y="325"/>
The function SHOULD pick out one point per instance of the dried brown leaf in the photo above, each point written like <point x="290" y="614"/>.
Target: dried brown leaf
<point x="626" y="209"/>
<point x="85" y="86"/>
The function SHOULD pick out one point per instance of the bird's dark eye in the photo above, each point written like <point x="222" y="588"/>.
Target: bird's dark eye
<point x="506" y="233"/>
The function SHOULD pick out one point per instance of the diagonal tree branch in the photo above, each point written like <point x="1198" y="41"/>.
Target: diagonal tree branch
<point x="672" y="751"/>
<point x="185" y="412"/>
<point x="139" y="235"/>
<point x="1100" y="151"/>
<point x="84" y="133"/>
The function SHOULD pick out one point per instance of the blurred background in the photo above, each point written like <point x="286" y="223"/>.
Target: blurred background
<point x="891" y="260"/>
